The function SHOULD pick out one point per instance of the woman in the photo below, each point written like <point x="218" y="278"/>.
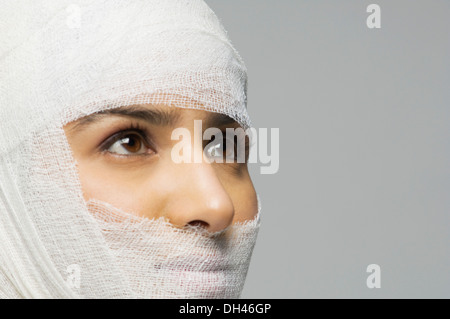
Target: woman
<point x="92" y="203"/>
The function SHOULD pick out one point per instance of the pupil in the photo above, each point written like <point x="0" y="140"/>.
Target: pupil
<point x="132" y="144"/>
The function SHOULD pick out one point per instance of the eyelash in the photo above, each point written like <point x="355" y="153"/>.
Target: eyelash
<point x="225" y="142"/>
<point x="136" y="127"/>
<point x="132" y="127"/>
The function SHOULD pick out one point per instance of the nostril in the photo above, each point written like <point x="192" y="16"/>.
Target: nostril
<point x="198" y="223"/>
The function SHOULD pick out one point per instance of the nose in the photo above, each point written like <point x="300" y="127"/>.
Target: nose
<point x="197" y="197"/>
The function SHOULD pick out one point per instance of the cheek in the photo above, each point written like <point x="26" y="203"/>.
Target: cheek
<point x="247" y="206"/>
<point x="243" y="195"/>
<point x="99" y="182"/>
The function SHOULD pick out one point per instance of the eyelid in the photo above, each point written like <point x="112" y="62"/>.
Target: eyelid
<point x="131" y="129"/>
<point x="225" y="139"/>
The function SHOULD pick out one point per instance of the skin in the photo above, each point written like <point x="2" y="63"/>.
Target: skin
<point x="135" y="171"/>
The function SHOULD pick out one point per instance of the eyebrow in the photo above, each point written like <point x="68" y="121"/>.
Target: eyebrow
<point x="159" y="117"/>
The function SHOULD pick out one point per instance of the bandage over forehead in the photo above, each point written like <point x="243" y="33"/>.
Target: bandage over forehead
<point x="63" y="60"/>
<point x="60" y="60"/>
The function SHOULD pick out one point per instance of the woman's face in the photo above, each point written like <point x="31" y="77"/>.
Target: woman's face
<point x="124" y="158"/>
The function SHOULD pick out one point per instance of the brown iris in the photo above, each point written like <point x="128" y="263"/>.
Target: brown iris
<point x="132" y="143"/>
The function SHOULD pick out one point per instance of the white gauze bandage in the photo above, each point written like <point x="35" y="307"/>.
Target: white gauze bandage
<point x="63" y="60"/>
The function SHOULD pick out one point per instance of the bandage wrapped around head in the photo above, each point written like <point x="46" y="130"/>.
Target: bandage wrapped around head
<point x="63" y="60"/>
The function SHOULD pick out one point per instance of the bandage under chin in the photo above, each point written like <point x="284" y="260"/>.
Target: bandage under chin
<point x="162" y="261"/>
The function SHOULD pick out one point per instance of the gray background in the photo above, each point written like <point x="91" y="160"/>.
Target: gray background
<point x="364" y="145"/>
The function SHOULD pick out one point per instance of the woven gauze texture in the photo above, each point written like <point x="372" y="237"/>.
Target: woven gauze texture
<point x="63" y="60"/>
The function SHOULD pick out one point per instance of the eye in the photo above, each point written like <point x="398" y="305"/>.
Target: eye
<point x="224" y="148"/>
<point x="127" y="144"/>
